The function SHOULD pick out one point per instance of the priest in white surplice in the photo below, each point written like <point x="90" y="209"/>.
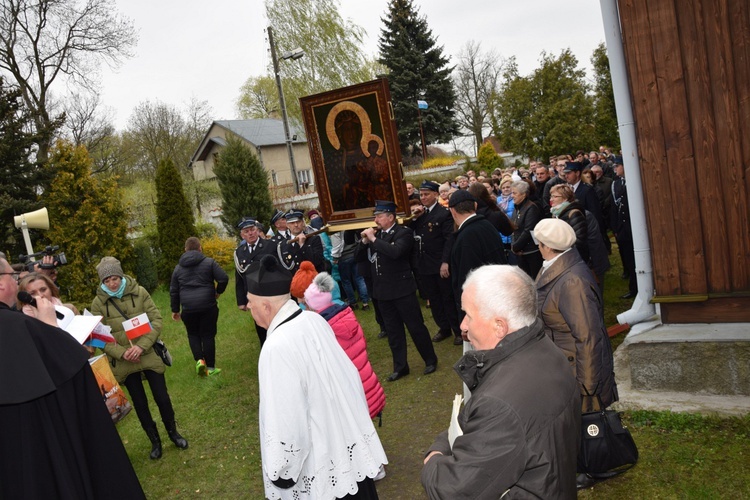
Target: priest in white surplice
<point x="317" y="438"/>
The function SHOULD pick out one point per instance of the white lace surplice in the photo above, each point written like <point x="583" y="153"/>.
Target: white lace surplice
<point x="315" y="425"/>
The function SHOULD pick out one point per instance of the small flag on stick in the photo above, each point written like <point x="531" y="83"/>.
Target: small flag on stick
<point x="135" y="327"/>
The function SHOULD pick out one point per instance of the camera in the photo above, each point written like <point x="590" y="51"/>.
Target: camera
<point x="58" y="259"/>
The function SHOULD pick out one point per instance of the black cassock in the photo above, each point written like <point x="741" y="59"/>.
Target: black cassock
<point x="57" y="439"/>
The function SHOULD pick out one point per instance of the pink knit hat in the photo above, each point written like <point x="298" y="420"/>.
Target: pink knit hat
<point x="318" y="296"/>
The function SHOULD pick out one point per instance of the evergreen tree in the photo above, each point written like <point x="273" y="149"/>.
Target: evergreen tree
<point x="21" y="178"/>
<point x="175" y="222"/>
<point x="547" y="113"/>
<point x="87" y="221"/>
<point x="488" y="159"/>
<point x="417" y="70"/>
<point x="605" y="115"/>
<point x="243" y="184"/>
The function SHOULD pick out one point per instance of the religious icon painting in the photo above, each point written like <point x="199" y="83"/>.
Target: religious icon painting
<point x="354" y="150"/>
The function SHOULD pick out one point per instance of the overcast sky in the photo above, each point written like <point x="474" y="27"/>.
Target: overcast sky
<point x="206" y="50"/>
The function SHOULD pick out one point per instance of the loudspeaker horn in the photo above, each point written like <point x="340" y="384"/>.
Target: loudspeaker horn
<point x="37" y="219"/>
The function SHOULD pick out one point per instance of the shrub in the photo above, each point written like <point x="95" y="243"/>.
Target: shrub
<point x="488" y="159"/>
<point x="144" y="266"/>
<point x="439" y="161"/>
<point x="221" y="250"/>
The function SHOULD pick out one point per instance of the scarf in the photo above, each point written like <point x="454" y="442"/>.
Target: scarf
<point x="557" y="210"/>
<point x="502" y="201"/>
<point x="119" y="291"/>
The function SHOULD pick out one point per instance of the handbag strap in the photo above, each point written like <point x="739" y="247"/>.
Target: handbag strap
<point x="125" y="315"/>
<point x="598" y="398"/>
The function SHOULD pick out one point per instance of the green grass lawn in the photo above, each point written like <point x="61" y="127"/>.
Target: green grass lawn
<point x="682" y="456"/>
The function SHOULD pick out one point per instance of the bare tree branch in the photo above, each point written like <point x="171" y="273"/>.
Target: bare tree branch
<point x="41" y="40"/>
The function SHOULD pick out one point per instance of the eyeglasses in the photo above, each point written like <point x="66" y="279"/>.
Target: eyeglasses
<point x="16" y="276"/>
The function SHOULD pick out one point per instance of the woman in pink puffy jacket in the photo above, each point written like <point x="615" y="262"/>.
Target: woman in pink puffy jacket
<point x="319" y="298"/>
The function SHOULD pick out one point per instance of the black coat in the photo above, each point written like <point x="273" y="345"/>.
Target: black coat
<point x="575" y="215"/>
<point x="390" y="263"/>
<point x="475" y="244"/>
<point x="497" y="218"/>
<point x="196" y="281"/>
<point x="57" y="439"/>
<point x="243" y="259"/>
<point x="526" y="215"/>
<point x="590" y="201"/>
<point x="433" y="235"/>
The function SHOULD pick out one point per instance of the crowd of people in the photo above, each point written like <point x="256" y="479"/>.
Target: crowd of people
<point x="533" y="239"/>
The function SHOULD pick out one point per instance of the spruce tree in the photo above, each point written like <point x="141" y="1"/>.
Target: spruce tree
<point x="175" y="222"/>
<point x="87" y="221"/>
<point x="417" y="70"/>
<point x="21" y="178"/>
<point x="243" y="183"/>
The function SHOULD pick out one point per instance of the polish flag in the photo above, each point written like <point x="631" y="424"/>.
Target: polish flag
<point x="135" y="327"/>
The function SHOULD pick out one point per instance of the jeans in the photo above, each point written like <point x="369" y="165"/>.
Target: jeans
<point x="349" y="276"/>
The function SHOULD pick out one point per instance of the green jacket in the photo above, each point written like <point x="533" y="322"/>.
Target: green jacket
<point x="135" y="300"/>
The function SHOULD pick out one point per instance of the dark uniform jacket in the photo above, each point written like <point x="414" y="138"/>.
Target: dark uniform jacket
<point x="571" y="308"/>
<point x="432" y="235"/>
<point x="278" y="236"/>
<point x="620" y="215"/>
<point x="196" y="281"/>
<point x="292" y="255"/>
<point x="242" y="260"/>
<point x="521" y="426"/>
<point x="476" y="244"/>
<point x="390" y="267"/>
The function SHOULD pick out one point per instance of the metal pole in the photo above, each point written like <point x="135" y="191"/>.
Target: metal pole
<point x="421" y="132"/>
<point x="284" y="117"/>
<point x="642" y="308"/>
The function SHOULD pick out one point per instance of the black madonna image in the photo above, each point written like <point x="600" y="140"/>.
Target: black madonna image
<point x="352" y="148"/>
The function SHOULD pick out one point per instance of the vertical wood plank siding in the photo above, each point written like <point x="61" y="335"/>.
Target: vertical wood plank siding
<point x="689" y="74"/>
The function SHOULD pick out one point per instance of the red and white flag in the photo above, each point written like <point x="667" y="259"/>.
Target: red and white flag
<point x="135" y="327"/>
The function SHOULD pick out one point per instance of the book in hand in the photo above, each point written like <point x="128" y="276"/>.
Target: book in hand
<point x="79" y="327"/>
<point x="100" y="335"/>
<point x="454" y="429"/>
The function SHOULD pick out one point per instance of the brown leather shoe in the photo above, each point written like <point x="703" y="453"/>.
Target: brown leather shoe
<point x="440" y="336"/>
<point x="458" y="341"/>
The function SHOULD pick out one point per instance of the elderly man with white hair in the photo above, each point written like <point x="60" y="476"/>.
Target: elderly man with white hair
<point x="316" y="436"/>
<point x="570" y="305"/>
<point x="520" y="429"/>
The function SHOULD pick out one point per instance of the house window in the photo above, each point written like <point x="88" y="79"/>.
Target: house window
<point x="274" y="178"/>
<point x="303" y="176"/>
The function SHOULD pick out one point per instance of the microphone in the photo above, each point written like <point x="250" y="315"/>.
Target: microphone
<point x="28" y="299"/>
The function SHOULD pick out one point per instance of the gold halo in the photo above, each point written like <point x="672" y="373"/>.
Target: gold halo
<point x="364" y="121"/>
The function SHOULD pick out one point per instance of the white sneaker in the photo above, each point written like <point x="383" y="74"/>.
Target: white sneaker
<point x="381" y="473"/>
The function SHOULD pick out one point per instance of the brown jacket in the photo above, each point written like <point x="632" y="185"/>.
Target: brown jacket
<point x="571" y="308"/>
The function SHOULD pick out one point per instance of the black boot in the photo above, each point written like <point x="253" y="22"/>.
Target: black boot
<point x="153" y="435"/>
<point x="178" y="440"/>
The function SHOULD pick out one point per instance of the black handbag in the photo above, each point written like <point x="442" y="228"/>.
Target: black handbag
<point x="607" y="448"/>
<point x="159" y="347"/>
